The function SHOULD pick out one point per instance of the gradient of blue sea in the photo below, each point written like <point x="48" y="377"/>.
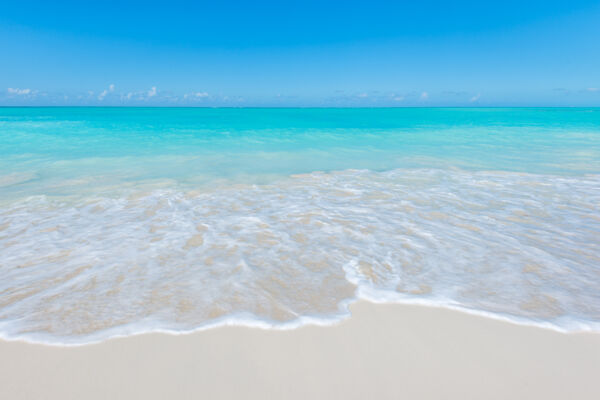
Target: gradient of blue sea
<point x="56" y="150"/>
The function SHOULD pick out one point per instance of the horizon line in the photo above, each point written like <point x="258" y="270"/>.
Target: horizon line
<point x="289" y="107"/>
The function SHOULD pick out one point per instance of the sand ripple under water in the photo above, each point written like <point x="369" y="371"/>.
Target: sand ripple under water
<point x="519" y="246"/>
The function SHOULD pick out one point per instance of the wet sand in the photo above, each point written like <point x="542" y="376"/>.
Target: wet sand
<point x="382" y="351"/>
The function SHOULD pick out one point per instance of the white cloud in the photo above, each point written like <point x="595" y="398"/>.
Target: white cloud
<point x="20" y="92"/>
<point x="152" y="92"/>
<point x="424" y="96"/>
<point x="398" y="98"/>
<point x="195" y="96"/>
<point x="102" y="95"/>
<point x="593" y="89"/>
<point x="362" y="95"/>
<point x="475" y="98"/>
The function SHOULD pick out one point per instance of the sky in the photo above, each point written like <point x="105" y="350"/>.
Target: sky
<point x="300" y="53"/>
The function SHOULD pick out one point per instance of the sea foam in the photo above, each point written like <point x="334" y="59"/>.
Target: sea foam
<point x="522" y="247"/>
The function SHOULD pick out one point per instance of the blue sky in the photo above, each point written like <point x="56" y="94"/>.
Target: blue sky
<point x="300" y="53"/>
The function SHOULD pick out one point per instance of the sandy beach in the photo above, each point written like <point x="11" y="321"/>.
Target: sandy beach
<point x="382" y="351"/>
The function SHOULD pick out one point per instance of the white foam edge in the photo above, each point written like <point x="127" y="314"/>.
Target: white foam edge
<point x="248" y="320"/>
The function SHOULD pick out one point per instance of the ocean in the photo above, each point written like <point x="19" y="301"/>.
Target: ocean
<point x="119" y="221"/>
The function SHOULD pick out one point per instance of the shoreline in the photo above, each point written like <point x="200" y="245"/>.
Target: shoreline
<point x="252" y="322"/>
<point x="382" y="350"/>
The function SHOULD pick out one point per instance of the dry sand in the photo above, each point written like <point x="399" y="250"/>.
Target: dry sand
<point x="382" y="352"/>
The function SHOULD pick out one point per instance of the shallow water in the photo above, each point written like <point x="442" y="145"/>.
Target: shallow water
<point x="120" y="221"/>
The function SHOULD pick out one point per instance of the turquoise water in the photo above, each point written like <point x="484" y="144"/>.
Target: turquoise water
<point x="54" y="150"/>
<point x="117" y="221"/>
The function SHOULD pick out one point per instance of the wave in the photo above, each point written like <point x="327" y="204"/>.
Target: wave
<point x="521" y="247"/>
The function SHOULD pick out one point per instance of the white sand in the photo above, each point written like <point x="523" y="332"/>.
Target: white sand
<point x="383" y="352"/>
